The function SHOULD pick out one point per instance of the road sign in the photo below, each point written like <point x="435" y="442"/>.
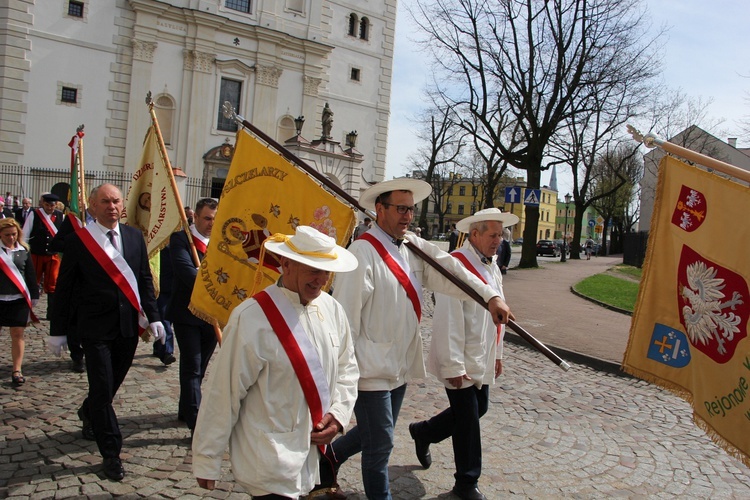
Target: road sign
<point x="513" y="194"/>
<point x="592" y="223"/>
<point x="598" y="229"/>
<point x="532" y="197"/>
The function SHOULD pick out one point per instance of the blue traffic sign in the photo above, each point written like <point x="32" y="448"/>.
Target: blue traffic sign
<point x="592" y="223"/>
<point x="532" y="197"/>
<point x="513" y="194"/>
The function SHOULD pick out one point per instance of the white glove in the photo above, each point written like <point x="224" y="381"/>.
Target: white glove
<point x="57" y="345"/>
<point x="34" y="302"/>
<point x="160" y="334"/>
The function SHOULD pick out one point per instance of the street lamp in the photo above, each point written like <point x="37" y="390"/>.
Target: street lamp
<point x="298" y="122"/>
<point x="565" y="231"/>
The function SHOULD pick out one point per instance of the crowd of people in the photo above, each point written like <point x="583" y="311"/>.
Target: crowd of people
<point x="296" y="362"/>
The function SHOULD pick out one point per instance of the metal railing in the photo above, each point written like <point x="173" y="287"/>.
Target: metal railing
<point x="30" y="182"/>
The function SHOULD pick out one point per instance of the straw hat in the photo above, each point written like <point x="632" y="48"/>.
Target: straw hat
<point x="507" y="218"/>
<point x="312" y="248"/>
<point x="420" y="190"/>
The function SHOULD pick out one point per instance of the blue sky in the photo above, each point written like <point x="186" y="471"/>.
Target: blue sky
<point x="706" y="54"/>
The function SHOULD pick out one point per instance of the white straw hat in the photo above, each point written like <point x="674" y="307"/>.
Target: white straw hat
<point x="420" y="190"/>
<point x="312" y="248"/>
<point x="507" y="218"/>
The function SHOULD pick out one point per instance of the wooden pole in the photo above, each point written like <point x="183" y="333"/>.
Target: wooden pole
<point x="651" y="141"/>
<point x="173" y="183"/>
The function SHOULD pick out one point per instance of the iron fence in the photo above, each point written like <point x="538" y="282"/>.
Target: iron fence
<point x="30" y="182"/>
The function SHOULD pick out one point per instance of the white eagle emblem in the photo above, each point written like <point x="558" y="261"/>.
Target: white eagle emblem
<point x="707" y="317"/>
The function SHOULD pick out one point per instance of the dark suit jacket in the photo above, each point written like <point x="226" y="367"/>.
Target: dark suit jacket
<point x="20" y="216"/>
<point x="183" y="280"/>
<point x="102" y="310"/>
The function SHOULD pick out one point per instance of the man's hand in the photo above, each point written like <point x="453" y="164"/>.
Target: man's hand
<point x="207" y="484"/>
<point x="499" y="310"/>
<point x="325" y="430"/>
<point x="457" y="381"/>
<point x="160" y="334"/>
<point x="498" y="367"/>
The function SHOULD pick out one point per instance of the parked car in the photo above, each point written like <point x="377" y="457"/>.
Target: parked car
<point x="547" y="247"/>
<point x="518" y="241"/>
<point x="560" y="244"/>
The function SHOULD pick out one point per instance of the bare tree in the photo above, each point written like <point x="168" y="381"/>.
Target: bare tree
<point x="444" y="142"/>
<point x="517" y="68"/>
<point x="616" y="175"/>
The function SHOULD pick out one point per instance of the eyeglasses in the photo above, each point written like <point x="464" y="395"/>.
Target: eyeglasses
<point x="402" y="209"/>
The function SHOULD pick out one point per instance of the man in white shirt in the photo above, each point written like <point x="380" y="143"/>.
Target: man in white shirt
<point x="383" y="299"/>
<point x="466" y="355"/>
<point x="285" y="379"/>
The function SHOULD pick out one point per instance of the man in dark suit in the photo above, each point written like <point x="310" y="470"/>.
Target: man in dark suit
<point x="196" y="338"/>
<point x="23" y="211"/>
<point x="106" y="279"/>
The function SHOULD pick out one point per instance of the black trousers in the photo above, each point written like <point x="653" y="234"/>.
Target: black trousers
<point x="107" y="364"/>
<point x="197" y="344"/>
<point x="461" y="422"/>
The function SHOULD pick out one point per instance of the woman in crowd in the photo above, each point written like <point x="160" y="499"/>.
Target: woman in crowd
<point x="18" y="290"/>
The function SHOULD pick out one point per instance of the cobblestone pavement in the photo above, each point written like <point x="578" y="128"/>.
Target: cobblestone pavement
<point x="547" y="434"/>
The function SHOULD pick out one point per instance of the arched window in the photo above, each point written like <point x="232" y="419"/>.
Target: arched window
<point x="164" y="107"/>
<point x="353" y="24"/>
<point x="285" y="129"/>
<point x="364" y="29"/>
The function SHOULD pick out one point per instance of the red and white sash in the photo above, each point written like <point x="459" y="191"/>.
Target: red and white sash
<point x="200" y="241"/>
<point x="472" y="263"/>
<point x="302" y="353"/>
<point x="47" y="220"/>
<point x="115" y="265"/>
<point x="11" y="271"/>
<point x="398" y="265"/>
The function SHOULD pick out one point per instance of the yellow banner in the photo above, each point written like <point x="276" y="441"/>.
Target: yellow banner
<point x="689" y="330"/>
<point x="151" y="204"/>
<point x="263" y="194"/>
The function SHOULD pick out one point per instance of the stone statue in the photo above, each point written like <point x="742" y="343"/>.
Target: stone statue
<point x="327" y="122"/>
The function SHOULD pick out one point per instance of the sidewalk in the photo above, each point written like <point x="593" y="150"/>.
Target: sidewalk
<point x="543" y="305"/>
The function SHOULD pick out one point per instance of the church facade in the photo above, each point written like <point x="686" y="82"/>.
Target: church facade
<point x="72" y="62"/>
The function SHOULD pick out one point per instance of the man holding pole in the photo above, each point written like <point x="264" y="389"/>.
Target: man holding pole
<point x="196" y="338"/>
<point x="285" y="380"/>
<point x="383" y="301"/>
<point x="466" y="355"/>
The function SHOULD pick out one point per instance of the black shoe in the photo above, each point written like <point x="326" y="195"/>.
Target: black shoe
<point x="421" y="447"/>
<point x="168" y="359"/>
<point x="113" y="469"/>
<point x="468" y="493"/>
<point x="86" y="428"/>
<point x="329" y="469"/>
<point x="78" y="366"/>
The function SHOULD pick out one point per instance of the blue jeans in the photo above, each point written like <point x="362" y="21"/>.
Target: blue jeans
<point x="377" y="412"/>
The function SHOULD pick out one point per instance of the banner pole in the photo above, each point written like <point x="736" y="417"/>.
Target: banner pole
<point x="651" y="141"/>
<point x="173" y="183"/>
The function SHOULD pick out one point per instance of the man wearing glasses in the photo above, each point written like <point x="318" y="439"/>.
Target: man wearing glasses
<point x="383" y="301"/>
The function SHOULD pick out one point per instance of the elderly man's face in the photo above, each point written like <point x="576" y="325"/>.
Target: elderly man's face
<point x="307" y="281"/>
<point x="487" y="242"/>
<point x="26" y="203"/>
